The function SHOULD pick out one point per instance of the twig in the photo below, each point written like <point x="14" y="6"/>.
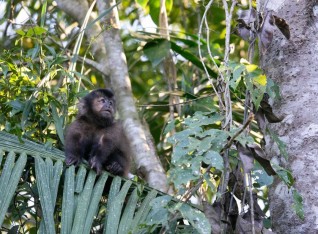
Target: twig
<point x="176" y="104"/>
<point x="200" y="53"/>
<point x="245" y="126"/>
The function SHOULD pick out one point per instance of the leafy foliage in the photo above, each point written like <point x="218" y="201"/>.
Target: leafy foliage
<point x="203" y="149"/>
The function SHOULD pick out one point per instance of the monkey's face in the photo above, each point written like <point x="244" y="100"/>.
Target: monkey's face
<point x="104" y="107"/>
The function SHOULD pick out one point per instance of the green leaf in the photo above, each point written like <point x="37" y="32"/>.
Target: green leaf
<point x="143" y="3"/>
<point x="58" y="121"/>
<point x="47" y="203"/>
<point x="215" y="159"/>
<point x="20" y="32"/>
<point x="272" y="89"/>
<point x="68" y="200"/>
<point x="84" y="201"/>
<point x="255" y="83"/>
<point x="37" y="31"/>
<point x="51" y="49"/>
<point x="298" y="204"/>
<point x="115" y="209"/>
<point x="9" y="180"/>
<point x="260" y="176"/>
<point x="128" y="214"/>
<point x="284" y="174"/>
<point x="192" y="58"/>
<point x="170" y="126"/>
<point x="43" y="12"/>
<point x="159" y="213"/>
<point x="180" y="176"/>
<point x="196" y="218"/>
<point x="281" y="145"/>
<point x="237" y="74"/>
<point x="157" y="50"/>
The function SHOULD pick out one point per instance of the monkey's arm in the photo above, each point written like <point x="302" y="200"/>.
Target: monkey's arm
<point x="75" y="146"/>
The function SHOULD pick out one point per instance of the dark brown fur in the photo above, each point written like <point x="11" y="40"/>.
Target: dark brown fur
<point x="97" y="137"/>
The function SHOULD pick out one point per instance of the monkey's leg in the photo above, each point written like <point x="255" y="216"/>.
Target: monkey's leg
<point x="117" y="164"/>
<point x="75" y="149"/>
<point x="97" y="158"/>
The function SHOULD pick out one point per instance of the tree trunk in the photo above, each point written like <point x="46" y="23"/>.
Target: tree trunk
<point x="293" y="65"/>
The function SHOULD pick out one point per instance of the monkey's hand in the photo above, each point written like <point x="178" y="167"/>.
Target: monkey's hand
<point x="72" y="160"/>
<point x="96" y="164"/>
<point x="115" y="168"/>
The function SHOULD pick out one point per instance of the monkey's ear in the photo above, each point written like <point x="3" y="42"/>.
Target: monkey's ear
<point x="82" y="108"/>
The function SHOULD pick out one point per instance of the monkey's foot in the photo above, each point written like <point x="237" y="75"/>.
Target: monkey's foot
<point x="72" y="160"/>
<point x="95" y="164"/>
<point x="115" y="168"/>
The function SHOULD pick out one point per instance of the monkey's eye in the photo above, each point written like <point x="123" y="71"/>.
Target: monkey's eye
<point x="111" y="102"/>
<point x="102" y="100"/>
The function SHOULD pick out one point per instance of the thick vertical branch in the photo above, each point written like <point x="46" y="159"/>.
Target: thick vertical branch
<point x="146" y="160"/>
<point x="292" y="64"/>
<point x="170" y="71"/>
<point x="77" y="10"/>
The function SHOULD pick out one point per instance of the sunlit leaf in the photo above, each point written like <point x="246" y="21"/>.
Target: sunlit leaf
<point x="20" y="32"/>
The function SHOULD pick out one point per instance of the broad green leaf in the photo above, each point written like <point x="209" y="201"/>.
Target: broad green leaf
<point x="83" y="204"/>
<point x="47" y="203"/>
<point x="284" y="174"/>
<point x="115" y="209"/>
<point x="192" y="58"/>
<point x="20" y="32"/>
<point x="128" y="214"/>
<point x="215" y="159"/>
<point x="58" y="121"/>
<point x="68" y="201"/>
<point x="170" y="126"/>
<point x="196" y="218"/>
<point x="237" y="74"/>
<point x="37" y="30"/>
<point x="9" y="180"/>
<point x="260" y="176"/>
<point x="157" y="50"/>
<point x="143" y="3"/>
<point x="43" y="13"/>
<point x="159" y="213"/>
<point x="180" y="176"/>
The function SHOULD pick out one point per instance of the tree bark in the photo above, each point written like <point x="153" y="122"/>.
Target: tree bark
<point x="293" y="65"/>
<point x="77" y="9"/>
<point x="146" y="160"/>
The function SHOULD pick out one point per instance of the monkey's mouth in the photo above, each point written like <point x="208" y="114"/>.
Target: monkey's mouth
<point x="106" y="111"/>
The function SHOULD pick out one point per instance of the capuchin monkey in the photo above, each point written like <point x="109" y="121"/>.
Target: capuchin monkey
<point x="97" y="137"/>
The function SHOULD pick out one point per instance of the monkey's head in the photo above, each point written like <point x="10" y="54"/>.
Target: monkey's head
<point x="98" y="107"/>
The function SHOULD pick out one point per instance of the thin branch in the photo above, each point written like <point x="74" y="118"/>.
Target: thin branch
<point x="200" y="53"/>
<point x="245" y="126"/>
<point x="176" y="104"/>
